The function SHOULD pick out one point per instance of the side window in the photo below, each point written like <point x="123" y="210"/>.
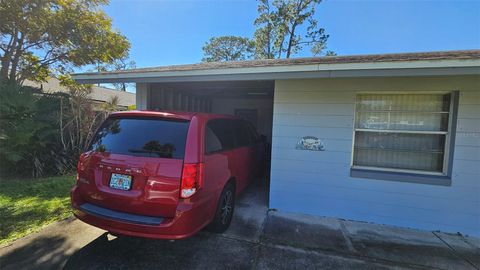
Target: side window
<point x="254" y="137"/>
<point x="406" y="132"/>
<point x="212" y="142"/>
<point x="223" y="132"/>
<point x="242" y="134"/>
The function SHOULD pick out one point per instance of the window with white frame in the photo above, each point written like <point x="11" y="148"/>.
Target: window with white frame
<point x="402" y="132"/>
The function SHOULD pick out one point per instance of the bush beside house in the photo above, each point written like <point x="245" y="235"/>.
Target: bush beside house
<point x="43" y="134"/>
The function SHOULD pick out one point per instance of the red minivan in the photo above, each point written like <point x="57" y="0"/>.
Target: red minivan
<point x="165" y="174"/>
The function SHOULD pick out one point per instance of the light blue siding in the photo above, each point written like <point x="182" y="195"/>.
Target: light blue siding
<point x="345" y="109"/>
<point x="319" y="182"/>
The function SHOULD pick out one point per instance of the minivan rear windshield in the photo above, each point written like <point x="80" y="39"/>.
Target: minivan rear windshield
<point x="144" y="137"/>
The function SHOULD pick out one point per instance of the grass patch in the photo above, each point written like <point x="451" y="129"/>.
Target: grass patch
<point x="27" y="205"/>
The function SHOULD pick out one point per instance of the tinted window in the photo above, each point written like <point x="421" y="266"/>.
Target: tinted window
<point x="212" y="142"/>
<point x="222" y="129"/>
<point x="254" y="137"/>
<point x="144" y="137"/>
<point x="242" y="134"/>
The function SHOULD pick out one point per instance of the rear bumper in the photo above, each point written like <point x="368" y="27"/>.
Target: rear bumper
<point x="102" y="212"/>
<point x="186" y="222"/>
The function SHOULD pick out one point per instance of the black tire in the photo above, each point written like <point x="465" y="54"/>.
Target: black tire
<point x="224" y="212"/>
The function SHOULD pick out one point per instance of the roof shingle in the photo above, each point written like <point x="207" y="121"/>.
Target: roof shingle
<point x="370" y="58"/>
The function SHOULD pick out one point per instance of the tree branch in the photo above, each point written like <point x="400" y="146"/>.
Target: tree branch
<point x="34" y="44"/>
<point x="47" y="62"/>
<point x="46" y="55"/>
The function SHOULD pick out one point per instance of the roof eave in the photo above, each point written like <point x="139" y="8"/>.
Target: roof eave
<point x="371" y="69"/>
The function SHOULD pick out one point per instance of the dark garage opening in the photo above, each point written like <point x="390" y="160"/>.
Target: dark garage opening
<point x="251" y="100"/>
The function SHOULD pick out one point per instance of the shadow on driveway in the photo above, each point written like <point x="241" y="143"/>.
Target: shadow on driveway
<point x="203" y="251"/>
<point x="41" y="253"/>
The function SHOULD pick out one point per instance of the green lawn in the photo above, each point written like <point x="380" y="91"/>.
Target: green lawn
<point x="27" y="205"/>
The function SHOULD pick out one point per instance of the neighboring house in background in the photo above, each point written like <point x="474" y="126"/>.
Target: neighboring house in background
<point x="99" y="94"/>
<point x="390" y="138"/>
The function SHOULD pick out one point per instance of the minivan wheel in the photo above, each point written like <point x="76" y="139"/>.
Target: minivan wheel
<point x="224" y="213"/>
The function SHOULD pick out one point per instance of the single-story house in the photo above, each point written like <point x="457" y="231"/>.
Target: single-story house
<point x="98" y="95"/>
<point x="389" y="138"/>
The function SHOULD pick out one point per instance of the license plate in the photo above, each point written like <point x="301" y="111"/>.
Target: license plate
<point x="121" y="181"/>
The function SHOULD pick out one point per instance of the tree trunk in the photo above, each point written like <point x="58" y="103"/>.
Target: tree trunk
<point x="281" y="48"/>
<point x="16" y="59"/>
<point x="7" y="56"/>
<point x="290" y="41"/>
<point x="294" y="26"/>
<point x="269" y="41"/>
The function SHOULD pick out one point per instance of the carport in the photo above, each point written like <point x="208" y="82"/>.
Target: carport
<point x="250" y="100"/>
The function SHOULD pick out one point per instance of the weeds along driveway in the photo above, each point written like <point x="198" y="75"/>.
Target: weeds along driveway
<point x="256" y="240"/>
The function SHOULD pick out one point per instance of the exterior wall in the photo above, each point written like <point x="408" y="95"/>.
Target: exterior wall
<point x="319" y="182"/>
<point x="264" y="107"/>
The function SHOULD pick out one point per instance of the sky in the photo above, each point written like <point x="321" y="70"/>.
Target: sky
<point x="171" y="32"/>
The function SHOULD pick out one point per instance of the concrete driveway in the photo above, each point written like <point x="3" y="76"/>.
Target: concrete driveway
<point x="257" y="239"/>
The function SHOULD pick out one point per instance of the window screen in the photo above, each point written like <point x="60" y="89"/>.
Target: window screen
<point x="402" y="131"/>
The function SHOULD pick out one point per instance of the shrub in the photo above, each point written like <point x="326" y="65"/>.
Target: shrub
<point x="29" y="133"/>
<point x="44" y="134"/>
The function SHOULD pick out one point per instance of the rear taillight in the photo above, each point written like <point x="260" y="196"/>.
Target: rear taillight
<point x="80" y="167"/>
<point x="81" y="164"/>
<point x="192" y="179"/>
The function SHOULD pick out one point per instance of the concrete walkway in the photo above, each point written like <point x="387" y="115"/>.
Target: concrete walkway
<point x="257" y="239"/>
